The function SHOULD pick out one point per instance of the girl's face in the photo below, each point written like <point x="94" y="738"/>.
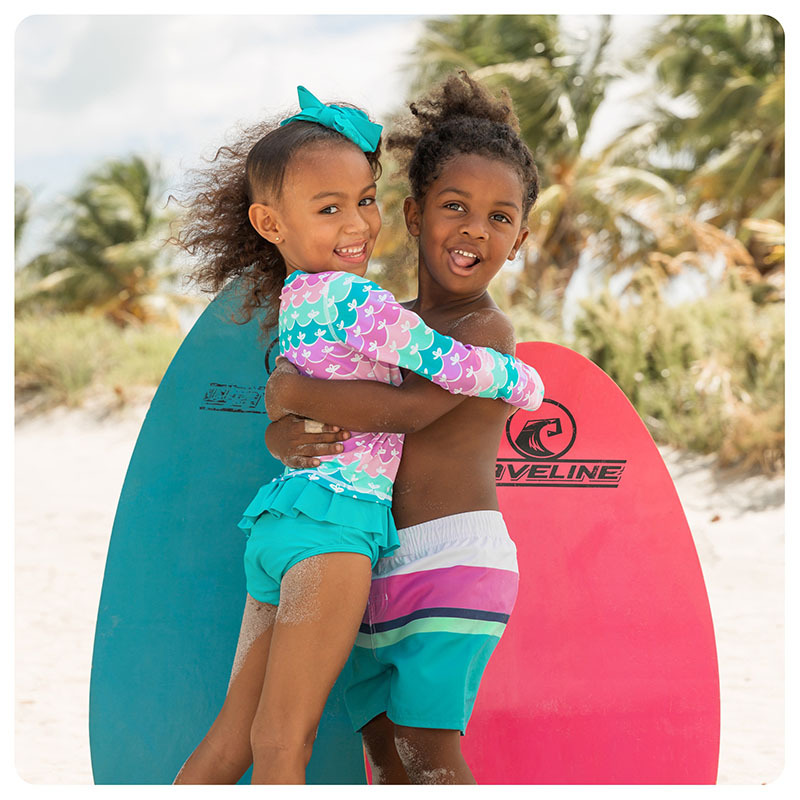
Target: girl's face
<point x="327" y="218"/>
<point x="469" y="222"/>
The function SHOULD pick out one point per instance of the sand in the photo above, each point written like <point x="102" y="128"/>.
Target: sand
<point x="70" y="466"/>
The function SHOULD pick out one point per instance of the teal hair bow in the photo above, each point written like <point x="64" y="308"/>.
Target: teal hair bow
<point x="350" y="122"/>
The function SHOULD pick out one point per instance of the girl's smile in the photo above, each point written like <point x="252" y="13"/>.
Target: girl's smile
<point x="469" y="222"/>
<point x="354" y="255"/>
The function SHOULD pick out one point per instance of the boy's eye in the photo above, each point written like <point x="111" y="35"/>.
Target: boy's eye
<point x="367" y="201"/>
<point x="329" y="210"/>
<point x="500" y="217"/>
<point x="454" y="206"/>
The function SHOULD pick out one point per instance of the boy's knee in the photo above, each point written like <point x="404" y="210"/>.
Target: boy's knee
<point x="378" y="736"/>
<point x="427" y="754"/>
<point x="412" y="747"/>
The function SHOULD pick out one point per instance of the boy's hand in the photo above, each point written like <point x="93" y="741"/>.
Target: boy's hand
<point x="288" y="441"/>
<point x="277" y="387"/>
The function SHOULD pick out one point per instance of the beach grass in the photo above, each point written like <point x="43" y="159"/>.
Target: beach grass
<point x="705" y="375"/>
<point x="60" y="358"/>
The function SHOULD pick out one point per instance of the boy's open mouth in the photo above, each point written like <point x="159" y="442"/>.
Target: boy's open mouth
<point x="464" y="258"/>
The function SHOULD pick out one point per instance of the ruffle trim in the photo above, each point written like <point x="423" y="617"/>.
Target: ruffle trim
<point x="316" y="500"/>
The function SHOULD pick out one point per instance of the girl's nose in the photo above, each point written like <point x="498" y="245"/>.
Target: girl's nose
<point x="356" y="221"/>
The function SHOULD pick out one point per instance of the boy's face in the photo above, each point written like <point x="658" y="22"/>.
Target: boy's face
<point x="469" y="222"/>
<point x="326" y="218"/>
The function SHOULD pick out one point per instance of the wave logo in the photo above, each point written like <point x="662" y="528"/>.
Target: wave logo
<point x="546" y="434"/>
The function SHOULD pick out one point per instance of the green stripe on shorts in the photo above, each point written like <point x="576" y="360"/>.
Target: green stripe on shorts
<point x="431" y="625"/>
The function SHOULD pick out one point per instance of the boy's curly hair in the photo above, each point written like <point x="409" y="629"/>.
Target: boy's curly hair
<point x="461" y="116"/>
<point x="215" y="227"/>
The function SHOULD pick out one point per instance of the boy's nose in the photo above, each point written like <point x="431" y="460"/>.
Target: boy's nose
<point x="474" y="227"/>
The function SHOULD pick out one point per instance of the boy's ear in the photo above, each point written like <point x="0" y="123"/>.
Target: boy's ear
<point x="264" y="219"/>
<point x="411" y="211"/>
<point x="523" y="235"/>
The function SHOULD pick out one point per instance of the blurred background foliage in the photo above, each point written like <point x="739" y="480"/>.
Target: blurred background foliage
<point x="676" y="227"/>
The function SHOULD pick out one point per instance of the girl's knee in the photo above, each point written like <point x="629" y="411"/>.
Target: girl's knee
<point x="216" y="760"/>
<point x="272" y="743"/>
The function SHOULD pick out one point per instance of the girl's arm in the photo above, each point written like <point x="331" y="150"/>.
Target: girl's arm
<point x="371" y="321"/>
<point x="375" y="406"/>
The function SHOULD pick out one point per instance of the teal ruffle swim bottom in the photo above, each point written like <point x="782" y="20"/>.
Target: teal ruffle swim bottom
<point x="291" y="520"/>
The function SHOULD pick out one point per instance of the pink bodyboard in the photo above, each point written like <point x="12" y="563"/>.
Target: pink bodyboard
<point x="607" y="672"/>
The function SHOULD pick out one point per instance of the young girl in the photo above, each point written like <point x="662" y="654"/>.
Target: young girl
<point x="299" y="211"/>
<point x="438" y="604"/>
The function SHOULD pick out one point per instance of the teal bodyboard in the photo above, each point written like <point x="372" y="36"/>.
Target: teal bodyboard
<point x="174" y="588"/>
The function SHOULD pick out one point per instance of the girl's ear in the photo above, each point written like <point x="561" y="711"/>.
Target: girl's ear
<point x="523" y="235"/>
<point x="411" y="211"/>
<point x="265" y="221"/>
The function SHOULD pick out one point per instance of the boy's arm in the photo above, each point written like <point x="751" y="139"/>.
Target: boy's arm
<point x="288" y="441"/>
<point x="374" y="406"/>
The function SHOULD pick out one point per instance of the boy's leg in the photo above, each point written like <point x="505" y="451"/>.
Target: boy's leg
<point x="322" y="603"/>
<point x="432" y="755"/>
<point x="459" y="575"/>
<point x="378" y="735"/>
<point x="224" y="754"/>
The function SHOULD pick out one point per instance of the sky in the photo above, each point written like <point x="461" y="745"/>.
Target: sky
<point x="90" y="87"/>
<point x="170" y="87"/>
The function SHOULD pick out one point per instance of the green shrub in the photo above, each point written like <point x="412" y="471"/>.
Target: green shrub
<point x="141" y="356"/>
<point x="707" y="375"/>
<point x="59" y="357"/>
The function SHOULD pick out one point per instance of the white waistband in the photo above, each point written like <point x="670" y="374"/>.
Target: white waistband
<point x="485" y="522"/>
<point x="474" y="538"/>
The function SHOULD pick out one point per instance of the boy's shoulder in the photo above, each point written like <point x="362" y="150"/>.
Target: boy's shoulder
<point x="485" y="327"/>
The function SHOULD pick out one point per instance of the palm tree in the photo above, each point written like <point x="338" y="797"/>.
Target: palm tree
<point x="557" y="82"/>
<point x="668" y="187"/>
<point x="716" y="123"/>
<point x="108" y="256"/>
<point x="23" y="203"/>
<point x="23" y="198"/>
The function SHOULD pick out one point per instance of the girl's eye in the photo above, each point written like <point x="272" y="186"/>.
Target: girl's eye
<point x="367" y="201"/>
<point x="501" y="217"/>
<point x="329" y="210"/>
<point x="454" y="206"/>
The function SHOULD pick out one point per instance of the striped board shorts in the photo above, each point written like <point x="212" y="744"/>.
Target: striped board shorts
<point x="437" y="608"/>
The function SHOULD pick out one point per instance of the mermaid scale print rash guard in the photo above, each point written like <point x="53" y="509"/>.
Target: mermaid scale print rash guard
<point x="340" y="326"/>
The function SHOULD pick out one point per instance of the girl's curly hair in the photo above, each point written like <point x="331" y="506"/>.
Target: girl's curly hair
<point x="461" y="116"/>
<point x="215" y="227"/>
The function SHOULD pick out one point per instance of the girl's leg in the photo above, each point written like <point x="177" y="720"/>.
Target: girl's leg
<point x="432" y="755"/>
<point x="378" y="735"/>
<point x="224" y="754"/>
<point x="322" y="603"/>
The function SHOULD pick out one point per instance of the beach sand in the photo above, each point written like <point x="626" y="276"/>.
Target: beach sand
<point x="70" y="466"/>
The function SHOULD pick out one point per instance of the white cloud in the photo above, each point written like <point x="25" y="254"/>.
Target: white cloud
<point x="97" y="86"/>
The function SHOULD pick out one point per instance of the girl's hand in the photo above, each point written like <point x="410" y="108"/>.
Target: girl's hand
<point x="288" y="441"/>
<point x="277" y="385"/>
